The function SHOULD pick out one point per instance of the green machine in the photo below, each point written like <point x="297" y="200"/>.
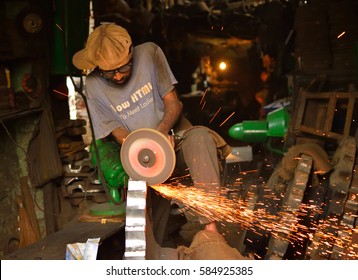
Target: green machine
<point x="255" y="131"/>
<point x="114" y="175"/>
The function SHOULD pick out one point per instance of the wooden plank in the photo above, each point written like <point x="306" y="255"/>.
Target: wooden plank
<point x="330" y="113"/>
<point x="349" y="116"/>
<point x="29" y="205"/>
<point x="320" y="132"/>
<point x="50" y="211"/>
<point x="327" y="95"/>
<point x="299" y="111"/>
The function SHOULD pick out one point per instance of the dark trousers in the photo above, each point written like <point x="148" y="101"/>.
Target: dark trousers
<point x="196" y="153"/>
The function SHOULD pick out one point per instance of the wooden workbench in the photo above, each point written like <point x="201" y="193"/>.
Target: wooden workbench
<point x="53" y="247"/>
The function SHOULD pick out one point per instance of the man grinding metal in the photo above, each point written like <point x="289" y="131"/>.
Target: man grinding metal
<point x="132" y="87"/>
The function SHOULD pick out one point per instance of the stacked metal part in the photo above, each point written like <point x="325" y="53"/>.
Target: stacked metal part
<point x="135" y="221"/>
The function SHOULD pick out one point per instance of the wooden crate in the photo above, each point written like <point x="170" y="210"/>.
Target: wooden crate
<point x="327" y="114"/>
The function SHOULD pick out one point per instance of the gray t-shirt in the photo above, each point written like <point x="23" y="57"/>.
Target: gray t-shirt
<point x="136" y="104"/>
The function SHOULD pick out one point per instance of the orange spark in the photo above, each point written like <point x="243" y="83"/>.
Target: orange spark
<point x="248" y="171"/>
<point x="59" y="92"/>
<point x="285" y="225"/>
<point x="202" y="107"/>
<point x="215" y="115"/>
<point x="203" y="97"/>
<point x="227" y="118"/>
<point x="340" y="35"/>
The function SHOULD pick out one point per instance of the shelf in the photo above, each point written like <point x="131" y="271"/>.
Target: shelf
<point x="17" y="113"/>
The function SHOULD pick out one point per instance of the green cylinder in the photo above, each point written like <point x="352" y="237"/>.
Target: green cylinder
<point x="111" y="165"/>
<point x="278" y="122"/>
<point x="249" y="131"/>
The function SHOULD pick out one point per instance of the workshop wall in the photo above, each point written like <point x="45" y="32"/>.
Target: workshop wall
<point x="27" y="137"/>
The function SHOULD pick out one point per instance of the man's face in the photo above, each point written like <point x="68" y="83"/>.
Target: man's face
<point x="119" y="75"/>
<point x="121" y="78"/>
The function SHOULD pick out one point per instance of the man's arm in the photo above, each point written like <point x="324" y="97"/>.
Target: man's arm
<point x="119" y="134"/>
<point x="172" y="111"/>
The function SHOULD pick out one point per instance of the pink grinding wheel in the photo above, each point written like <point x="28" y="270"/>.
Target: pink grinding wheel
<point x="148" y="155"/>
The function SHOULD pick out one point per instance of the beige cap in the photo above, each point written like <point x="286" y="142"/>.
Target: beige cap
<point x="108" y="47"/>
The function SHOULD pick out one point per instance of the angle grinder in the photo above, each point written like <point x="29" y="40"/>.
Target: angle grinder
<point x="147" y="155"/>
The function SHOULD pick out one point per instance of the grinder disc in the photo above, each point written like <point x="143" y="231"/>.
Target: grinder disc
<point x="147" y="155"/>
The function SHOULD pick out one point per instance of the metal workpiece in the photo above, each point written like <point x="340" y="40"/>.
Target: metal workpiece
<point x="292" y="200"/>
<point x="338" y="228"/>
<point x="148" y="158"/>
<point x="344" y="160"/>
<point x="296" y="189"/>
<point x="135" y="221"/>
<point x="348" y="221"/>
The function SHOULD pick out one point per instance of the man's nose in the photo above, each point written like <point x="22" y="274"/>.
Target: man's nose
<point x="118" y="76"/>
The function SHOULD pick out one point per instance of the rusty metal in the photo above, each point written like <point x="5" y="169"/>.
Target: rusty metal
<point x="335" y="232"/>
<point x="291" y="203"/>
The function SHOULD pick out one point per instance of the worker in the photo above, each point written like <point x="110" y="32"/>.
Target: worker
<point x="132" y="87"/>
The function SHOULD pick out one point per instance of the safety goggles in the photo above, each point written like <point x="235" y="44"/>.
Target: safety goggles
<point x="109" y="74"/>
